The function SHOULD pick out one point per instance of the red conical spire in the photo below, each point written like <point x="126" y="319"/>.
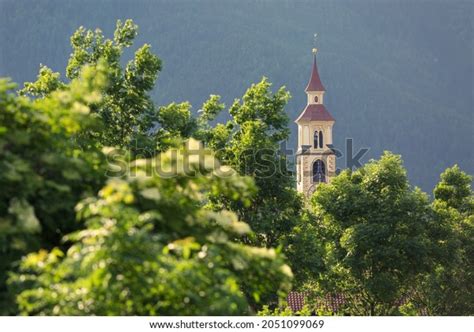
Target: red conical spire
<point x="315" y="82"/>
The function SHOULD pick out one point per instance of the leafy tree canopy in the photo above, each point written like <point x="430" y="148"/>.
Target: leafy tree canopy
<point x="374" y="236"/>
<point x="250" y="143"/>
<point x="126" y="109"/>
<point x="448" y="289"/>
<point x="455" y="189"/>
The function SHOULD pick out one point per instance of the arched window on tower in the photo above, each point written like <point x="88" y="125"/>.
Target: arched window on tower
<point x="315" y="139"/>
<point x="321" y="139"/>
<point x="319" y="171"/>
<point x="316" y="99"/>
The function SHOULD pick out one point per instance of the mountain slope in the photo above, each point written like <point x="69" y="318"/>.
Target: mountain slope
<point x="398" y="74"/>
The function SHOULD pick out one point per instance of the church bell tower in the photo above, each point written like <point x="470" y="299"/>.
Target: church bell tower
<point x="315" y="160"/>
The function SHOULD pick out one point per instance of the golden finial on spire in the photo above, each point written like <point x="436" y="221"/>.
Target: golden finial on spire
<point x="315" y="36"/>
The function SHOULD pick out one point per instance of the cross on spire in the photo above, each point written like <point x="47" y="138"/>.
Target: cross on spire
<point x="315" y="37"/>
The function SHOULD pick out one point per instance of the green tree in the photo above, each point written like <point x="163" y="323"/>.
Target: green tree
<point x="305" y="250"/>
<point x="448" y="289"/>
<point x="374" y="234"/>
<point x="455" y="190"/>
<point x="151" y="248"/>
<point x="43" y="172"/>
<point x="126" y="109"/>
<point x="249" y="142"/>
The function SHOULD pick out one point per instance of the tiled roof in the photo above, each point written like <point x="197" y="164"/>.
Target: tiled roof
<point x="296" y="300"/>
<point x="315" y="112"/>
<point x="314" y="83"/>
<point x="332" y="303"/>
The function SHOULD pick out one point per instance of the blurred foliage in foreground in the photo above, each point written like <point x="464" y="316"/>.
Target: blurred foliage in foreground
<point x="151" y="248"/>
<point x="44" y="171"/>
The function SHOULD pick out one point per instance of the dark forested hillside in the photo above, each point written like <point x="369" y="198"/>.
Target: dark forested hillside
<point x="398" y="74"/>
